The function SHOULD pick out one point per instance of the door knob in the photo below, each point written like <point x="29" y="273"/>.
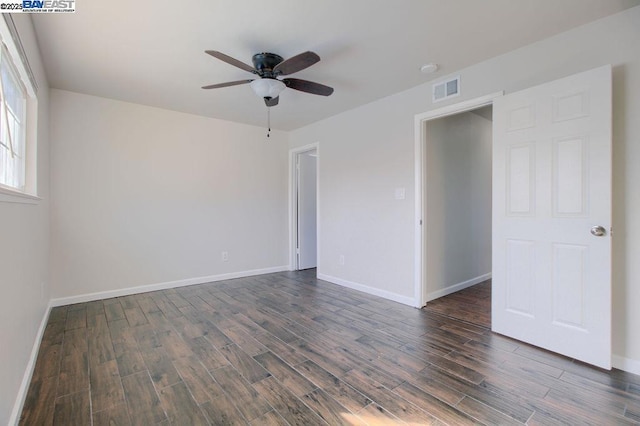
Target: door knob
<point x="598" y="231"/>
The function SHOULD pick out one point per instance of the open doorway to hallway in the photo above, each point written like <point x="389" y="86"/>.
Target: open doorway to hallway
<point x="457" y="220"/>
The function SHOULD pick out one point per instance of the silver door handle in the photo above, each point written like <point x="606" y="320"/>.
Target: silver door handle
<point x="598" y="231"/>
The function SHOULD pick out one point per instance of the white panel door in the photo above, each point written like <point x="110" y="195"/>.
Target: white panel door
<point x="307" y="210"/>
<point x="551" y="186"/>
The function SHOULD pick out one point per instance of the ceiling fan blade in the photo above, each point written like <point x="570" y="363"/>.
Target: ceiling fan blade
<point x="296" y="63"/>
<point x="231" y="61"/>
<point x="230" y="83"/>
<point x="271" y="101"/>
<point x="308" y="86"/>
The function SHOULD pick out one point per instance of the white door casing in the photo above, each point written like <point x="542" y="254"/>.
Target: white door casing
<point x="307" y="210"/>
<point x="421" y="289"/>
<point x="551" y="185"/>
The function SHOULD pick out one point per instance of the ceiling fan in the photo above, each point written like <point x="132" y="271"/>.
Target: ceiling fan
<point x="269" y="66"/>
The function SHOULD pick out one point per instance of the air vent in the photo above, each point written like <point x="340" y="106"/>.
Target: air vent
<point x="446" y="89"/>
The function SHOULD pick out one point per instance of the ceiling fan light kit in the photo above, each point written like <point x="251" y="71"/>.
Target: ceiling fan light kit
<point x="267" y="87"/>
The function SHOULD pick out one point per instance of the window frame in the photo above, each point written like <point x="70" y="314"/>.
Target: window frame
<point x="18" y="62"/>
<point x="13" y="121"/>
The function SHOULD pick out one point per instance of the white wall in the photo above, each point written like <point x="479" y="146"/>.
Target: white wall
<point x="144" y="196"/>
<point x="365" y="155"/>
<point x="368" y="151"/>
<point x="458" y="202"/>
<point x="24" y="252"/>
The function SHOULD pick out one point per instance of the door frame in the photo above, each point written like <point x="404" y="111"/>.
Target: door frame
<point x="294" y="153"/>
<point x="420" y="122"/>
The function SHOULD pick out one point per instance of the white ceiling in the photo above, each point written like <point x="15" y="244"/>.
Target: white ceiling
<point x="152" y="52"/>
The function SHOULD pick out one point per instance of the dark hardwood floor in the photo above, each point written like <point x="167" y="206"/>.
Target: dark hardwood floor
<point x="287" y="348"/>
<point x="473" y="304"/>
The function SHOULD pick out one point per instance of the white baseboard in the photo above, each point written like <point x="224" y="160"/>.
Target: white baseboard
<point x="370" y="290"/>
<point x="626" y="364"/>
<point x="457" y="287"/>
<point x="61" y="301"/>
<point x="28" y="372"/>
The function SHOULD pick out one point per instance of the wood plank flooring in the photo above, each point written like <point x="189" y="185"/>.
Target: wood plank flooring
<point x="287" y="348"/>
<point x="473" y="304"/>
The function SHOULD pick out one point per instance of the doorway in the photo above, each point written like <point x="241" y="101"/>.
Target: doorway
<point x="304" y="207"/>
<point x="453" y="242"/>
<point x="457" y="190"/>
<point x="551" y="214"/>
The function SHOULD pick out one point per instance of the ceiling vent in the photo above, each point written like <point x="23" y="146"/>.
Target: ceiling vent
<point x="446" y="89"/>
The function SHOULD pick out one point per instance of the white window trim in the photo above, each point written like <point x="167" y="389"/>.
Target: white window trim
<point x="14" y="47"/>
<point x="24" y="70"/>
<point x="10" y="195"/>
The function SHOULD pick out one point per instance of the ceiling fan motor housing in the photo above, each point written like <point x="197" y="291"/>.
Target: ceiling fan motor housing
<point x="265" y="62"/>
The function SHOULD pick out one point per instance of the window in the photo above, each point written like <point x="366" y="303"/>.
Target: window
<point x="12" y="125"/>
<point x="18" y="118"/>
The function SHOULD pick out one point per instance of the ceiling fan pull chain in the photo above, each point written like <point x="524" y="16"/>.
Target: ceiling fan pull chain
<point x="268" y="122"/>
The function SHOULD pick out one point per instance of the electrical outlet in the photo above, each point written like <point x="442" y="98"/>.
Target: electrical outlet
<point x="341" y="259"/>
<point x="225" y="256"/>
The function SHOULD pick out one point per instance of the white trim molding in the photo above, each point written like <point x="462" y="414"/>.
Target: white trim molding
<point x="405" y="300"/>
<point x="90" y="297"/>
<point x="626" y="364"/>
<point x="28" y="372"/>
<point x="8" y="31"/>
<point x="457" y="287"/>
<point x="8" y="195"/>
